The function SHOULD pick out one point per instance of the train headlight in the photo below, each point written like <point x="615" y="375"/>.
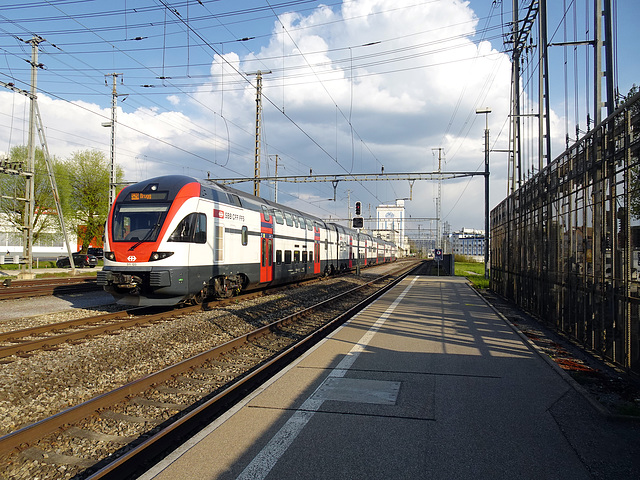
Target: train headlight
<point x="110" y="256"/>
<point x="159" y="256"/>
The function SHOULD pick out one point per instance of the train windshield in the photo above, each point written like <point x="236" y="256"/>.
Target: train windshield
<point x="138" y="223"/>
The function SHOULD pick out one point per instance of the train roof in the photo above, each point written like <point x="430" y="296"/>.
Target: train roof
<point x="231" y="196"/>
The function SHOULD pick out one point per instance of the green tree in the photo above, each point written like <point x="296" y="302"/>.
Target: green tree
<point x="89" y="178"/>
<point x="12" y="210"/>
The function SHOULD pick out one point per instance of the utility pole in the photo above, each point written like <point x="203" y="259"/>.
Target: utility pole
<point x="256" y="163"/>
<point x="112" y="124"/>
<point x="608" y="47"/>
<point x="486" y="112"/>
<point x="54" y="187"/>
<point x="515" y="99"/>
<point x="544" y="122"/>
<point x="27" y="231"/>
<point x="439" y="199"/>
<point x="35" y="123"/>
<point x="597" y="62"/>
<point x="275" y="189"/>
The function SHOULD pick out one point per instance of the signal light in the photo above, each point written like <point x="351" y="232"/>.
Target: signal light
<point x="358" y="208"/>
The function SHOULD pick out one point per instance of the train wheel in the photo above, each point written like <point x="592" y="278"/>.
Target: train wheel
<point x="198" y="298"/>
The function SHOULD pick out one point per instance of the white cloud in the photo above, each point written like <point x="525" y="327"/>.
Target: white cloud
<point x="400" y="96"/>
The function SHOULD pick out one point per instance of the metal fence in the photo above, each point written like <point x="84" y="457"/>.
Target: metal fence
<point x="566" y="245"/>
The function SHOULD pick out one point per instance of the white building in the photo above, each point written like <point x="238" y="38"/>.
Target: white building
<point x="390" y="223"/>
<point x="468" y="242"/>
<point x="50" y="243"/>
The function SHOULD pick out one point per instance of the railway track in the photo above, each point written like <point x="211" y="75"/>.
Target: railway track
<point x="141" y="418"/>
<point x="23" y="342"/>
<point x="48" y="337"/>
<point x="11" y="289"/>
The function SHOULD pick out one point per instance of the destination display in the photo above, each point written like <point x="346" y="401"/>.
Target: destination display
<point x="146" y="196"/>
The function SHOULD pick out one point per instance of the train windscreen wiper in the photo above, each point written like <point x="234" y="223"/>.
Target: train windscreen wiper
<point x="145" y="238"/>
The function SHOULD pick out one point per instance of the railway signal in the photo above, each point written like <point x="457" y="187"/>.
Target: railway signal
<point x="358" y="221"/>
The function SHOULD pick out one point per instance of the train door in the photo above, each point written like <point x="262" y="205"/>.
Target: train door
<point x="366" y="247"/>
<point x="266" y="246"/>
<point x="316" y="249"/>
<point x="194" y="245"/>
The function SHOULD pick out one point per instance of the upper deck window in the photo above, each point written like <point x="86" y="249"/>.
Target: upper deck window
<point x="234" y="199"/>
<point x="278" y="216"/>
<point x="288" y="218"/>
<point x="265" y="212"/>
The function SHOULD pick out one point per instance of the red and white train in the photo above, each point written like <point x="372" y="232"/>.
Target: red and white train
<point x="176" y="239"/>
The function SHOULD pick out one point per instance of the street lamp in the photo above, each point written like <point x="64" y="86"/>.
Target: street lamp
<point x="486" y="112"/>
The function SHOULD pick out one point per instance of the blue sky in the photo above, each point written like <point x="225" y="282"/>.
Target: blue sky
<point x="355" y="86"/>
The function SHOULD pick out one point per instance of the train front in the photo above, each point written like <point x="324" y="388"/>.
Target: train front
<point x="140" y="266"/>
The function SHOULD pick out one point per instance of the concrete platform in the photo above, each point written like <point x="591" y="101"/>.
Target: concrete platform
<point x="427" y="382"/>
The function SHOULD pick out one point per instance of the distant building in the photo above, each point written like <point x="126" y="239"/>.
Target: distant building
<point x="390" y="223"/>
<point x="468" y="242"/>
<point x="50" y="242"/>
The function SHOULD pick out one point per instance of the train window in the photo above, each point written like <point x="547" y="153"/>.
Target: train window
<point x="218" y="246"/>
<point x="245" y="235"/>
<point x="265" y="212"/>
<point x="302" y="224"/>
<point x="287" y="256"/>
<point x="310" y="257"/>
<point x="278" y="216"/>
<point x="296" y="256"/>
<point x="304" y="257"/>
<point x="191" y="229"/>
<point x="309" y="225"/>
<point x="295" y="221"/>
<point x="200" y="234"/>
<point x="288" y="218"/>
<point x="138" y="223"/>
<point x="234" y="199"/>
<point x="278" y="257"/>
<point x="326" y="243"/>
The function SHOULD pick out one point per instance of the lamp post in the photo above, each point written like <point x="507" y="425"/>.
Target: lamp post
<point x="486" y="112"/>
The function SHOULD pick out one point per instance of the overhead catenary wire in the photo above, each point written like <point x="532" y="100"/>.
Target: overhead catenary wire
<point x="292" y="75"/>
<point x="172" y="85"/>
<point x="236" y="172"/>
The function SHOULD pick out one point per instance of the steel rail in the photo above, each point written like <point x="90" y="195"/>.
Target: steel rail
<point x="128" y="463"/>
<point x="52" y="327"/>
<point x="11" y="283"/>
<point x="9" y="292"/>
<point x="22" y="347"/>
<point x="31" y="433"/>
